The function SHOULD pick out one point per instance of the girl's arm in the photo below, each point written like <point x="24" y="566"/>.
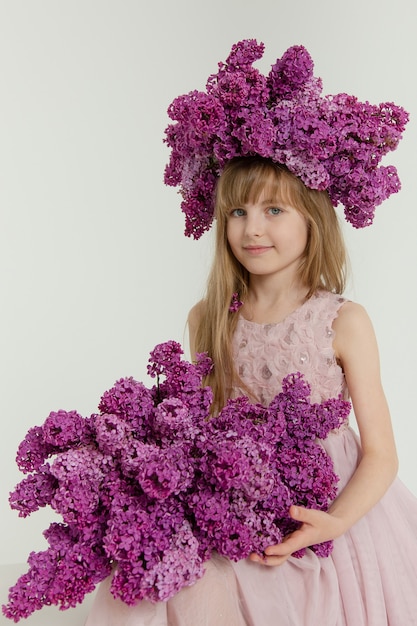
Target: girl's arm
<point x="356" y="348"/>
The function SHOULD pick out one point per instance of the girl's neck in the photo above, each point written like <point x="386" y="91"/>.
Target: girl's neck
<point x="266" y="303"/>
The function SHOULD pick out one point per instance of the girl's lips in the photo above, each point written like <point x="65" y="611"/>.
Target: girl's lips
<point x="256" y="250"/>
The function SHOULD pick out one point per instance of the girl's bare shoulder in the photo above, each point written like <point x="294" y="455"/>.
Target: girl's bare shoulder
<point x="353" y="329"/>
<point x="352" y="315"/>
<point x="194" y="320"/>
<point x="196" y="313"/>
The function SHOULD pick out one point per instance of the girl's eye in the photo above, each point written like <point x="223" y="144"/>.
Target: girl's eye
<point x="274" y="210"/>
<point x="237" y="212"/>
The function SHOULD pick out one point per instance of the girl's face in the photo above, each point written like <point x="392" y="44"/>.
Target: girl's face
<point x="268" y="237"/>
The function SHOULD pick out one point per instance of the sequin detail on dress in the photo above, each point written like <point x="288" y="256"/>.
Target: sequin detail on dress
<point x="302" y="342"/>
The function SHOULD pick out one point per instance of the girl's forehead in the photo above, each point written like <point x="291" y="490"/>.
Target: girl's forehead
<point x="268" y="194"/>
<point x="251" y="187"/>
<point x="270" y="190"/>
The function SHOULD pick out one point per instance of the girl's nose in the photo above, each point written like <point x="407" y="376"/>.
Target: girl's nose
<point x="254" y="227"/>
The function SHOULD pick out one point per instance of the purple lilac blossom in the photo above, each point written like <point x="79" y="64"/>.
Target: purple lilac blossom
<point x="235" y="303"/>
<point x="64" y="429"/>
<point x="150" y="486"/>
<point x="62" y="575"/>
<point x="332" y="142"/>
<point x="34" y="491"/>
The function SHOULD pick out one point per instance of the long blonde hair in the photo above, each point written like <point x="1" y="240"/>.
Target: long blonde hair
<point x="323" y="265"/>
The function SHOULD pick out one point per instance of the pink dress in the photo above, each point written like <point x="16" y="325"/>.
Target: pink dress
<point x="370" y="579"/>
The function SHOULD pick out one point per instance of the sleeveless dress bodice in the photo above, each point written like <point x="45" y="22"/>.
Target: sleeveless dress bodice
<point x="303" y="342"/>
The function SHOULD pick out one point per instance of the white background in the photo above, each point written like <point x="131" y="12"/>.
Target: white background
<point x="94" y="266"/>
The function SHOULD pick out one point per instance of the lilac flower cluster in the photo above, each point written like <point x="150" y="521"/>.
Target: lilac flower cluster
<point x="332" y="143"/>
<point x="149" y="487"/>
<point x="256" y="462"/>
<point x="235" y="303"/>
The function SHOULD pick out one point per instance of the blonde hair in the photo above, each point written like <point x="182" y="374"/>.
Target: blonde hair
<point x="322" y="267"/>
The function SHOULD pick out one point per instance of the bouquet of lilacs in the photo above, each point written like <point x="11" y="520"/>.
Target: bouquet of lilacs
<point x="150" y="486"/>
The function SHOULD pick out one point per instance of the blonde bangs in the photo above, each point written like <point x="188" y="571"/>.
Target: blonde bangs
<point x="243" y="181"/>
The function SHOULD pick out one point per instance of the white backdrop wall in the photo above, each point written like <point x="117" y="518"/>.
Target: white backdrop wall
<point x="94" y="266"/>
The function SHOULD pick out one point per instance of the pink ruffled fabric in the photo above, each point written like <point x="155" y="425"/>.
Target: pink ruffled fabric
<point x="370" y="579"/>
<point x="302" y="342"/>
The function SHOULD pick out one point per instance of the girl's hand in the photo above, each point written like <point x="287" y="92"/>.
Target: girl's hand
<point x="317" y="526"/>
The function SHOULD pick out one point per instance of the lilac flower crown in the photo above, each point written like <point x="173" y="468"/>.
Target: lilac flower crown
<point x="332" y="143"/>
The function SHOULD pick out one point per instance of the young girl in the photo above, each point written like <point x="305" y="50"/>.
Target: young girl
<point x="274" y="306"/>
<point x="278" y="245"/>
